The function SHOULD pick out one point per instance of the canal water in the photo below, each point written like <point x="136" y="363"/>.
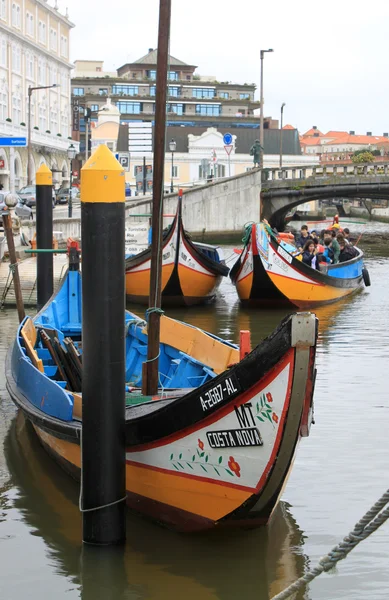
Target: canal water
<point x="339" y="472"/>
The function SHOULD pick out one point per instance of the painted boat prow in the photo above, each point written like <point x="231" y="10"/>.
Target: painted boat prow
<point x="216" y="454"/>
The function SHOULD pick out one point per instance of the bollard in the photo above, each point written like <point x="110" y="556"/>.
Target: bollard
<point x="44" y="235"/>
<point x="103" y="381"/>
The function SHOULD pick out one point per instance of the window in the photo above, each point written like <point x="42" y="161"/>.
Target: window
<point x="244" y="96"/>
<point x="213" y="110"/>
<point x="172" y="76"/>
<point x="54" y="120"/>
<point x="53" y="40"/>
<point x="203" y="92"/>
<point x="29" y="24"/>
<point x="64" y="83"/>
<point x="174" y="171"/>
<point x="152" y="90"/>
<point x="178" y="109"/>
<point x="42" y="117"/>
<point x="41" y="72"/>
<point x="103" y="92"/>
<point x="203" y="171"/>
<point x="174" y="91"/>
<point x="3" y="9"/>
<point x="3" y="54"/>
<point x="224" y="95"/>
<point x="29" y="66"/>
<point x="94" y="107"/>
<point x="16" y="108"/>
<point x="16" y="15"/>
<point x="64" y="46"/>
<point x="53" y="75"/>
<point x="78" y="91"/>
<point x="42" y="32"/>
<point x="221" y="170"/>
<point x="151" y="75"/>
<point x="130" y="108"/>
<point x="125" y="90"/>
<point x="64" y="123"/>
<point x="16" y="59"/>
<point x="3" y="106"/>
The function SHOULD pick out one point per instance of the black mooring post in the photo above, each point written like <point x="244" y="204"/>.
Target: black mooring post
<point x="44" y="234"/>
<point x="103" y="361"/>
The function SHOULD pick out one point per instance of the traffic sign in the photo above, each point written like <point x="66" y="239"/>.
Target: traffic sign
<point x="13" y="141"/>
<point x="124" y="159"/>
<point x="228" y="149"/>
<point x="227" y="139"/>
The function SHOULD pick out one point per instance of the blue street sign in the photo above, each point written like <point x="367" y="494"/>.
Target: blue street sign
<point x="227" y="139"/>
<point x="13" y="141"/>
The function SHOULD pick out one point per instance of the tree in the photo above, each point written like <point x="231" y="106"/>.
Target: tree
<point x="362" y="157"/>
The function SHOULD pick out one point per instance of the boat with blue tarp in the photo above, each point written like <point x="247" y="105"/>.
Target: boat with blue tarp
<point x="213" y="447"/>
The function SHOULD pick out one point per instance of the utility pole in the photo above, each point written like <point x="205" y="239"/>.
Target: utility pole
<point x="282" y="117"/>
<point x="262" y="54"/>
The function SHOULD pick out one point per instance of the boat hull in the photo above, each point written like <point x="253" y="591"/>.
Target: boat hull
<point x="189" y="275"/>
<point x="280" y="279"/>
<point x="216" y="456"/>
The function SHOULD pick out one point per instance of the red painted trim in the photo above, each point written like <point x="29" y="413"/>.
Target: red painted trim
<point x="246" y="256"/>
<point x="255" y="390"/>
<point x="254" y="239"/>
<point x="189" y="476"/>
<point x="222" y="412"/>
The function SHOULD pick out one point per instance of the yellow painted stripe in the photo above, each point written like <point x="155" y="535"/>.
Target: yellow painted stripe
<point x="44" y="176"/>
<point x="301" y="291"/>
<point x="102" y="178"/>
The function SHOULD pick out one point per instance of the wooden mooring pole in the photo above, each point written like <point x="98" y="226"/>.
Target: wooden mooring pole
<point x="7" y="224"/>
<point x="103" y="359"/>
<point x="44" y="235"/>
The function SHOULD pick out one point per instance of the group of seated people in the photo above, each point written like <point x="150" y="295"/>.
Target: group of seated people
<point x="332" y="246"/>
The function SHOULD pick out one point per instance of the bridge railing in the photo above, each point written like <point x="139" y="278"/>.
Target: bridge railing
<point x="312" y="172"/>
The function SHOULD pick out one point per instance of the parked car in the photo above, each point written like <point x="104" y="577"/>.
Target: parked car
<point x="21" y="210"/>
<point x="63" y="194"/>
<point x="28" y="195"/>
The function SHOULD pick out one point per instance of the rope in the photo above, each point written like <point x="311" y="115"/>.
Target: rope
<point x="247" y="231"/>
<point x="154" y="309"/>
<point x="369" y="523"/>
<point x="12" y="267"/>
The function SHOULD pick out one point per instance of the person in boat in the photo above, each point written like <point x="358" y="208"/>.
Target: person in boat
<point x="334" y="245"/>
<point x="328" y="254"/>
<point x="302" y="239"/>
<point x="316" y="240"/>
<point x="347" y="251"/>
<point x="309" y="255"/>
<point x="335" y="220"/>
<point x="346" y="235"/>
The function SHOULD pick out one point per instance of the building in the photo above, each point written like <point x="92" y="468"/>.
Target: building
<point x="193" y="99"/>
<point x="341" y="145"/>
<point x="34" y="52"/>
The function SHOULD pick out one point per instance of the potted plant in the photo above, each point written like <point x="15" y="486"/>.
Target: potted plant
<point x="22" y="124"/>
<point x="36" y="127"/>
<point x="8" y="120"/>
<point x="59" y="134"/>
<point x="48" y="131"/>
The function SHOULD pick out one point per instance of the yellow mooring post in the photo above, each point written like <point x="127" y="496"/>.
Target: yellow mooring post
<point x="103" y="359"/>
<point x="44" y="235"/>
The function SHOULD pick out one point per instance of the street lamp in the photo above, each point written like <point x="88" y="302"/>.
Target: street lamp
<point x="30" y="90"/>
<point x="172" y="148"/>
<point x="282" y="116"/>
<point x="262" y="54"/>
<point x="71" y="155"/>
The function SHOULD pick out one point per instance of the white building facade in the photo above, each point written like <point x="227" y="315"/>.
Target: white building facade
<point x="34" y="52"/>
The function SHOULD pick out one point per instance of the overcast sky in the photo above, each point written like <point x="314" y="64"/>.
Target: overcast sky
<point x="330" y="60"/>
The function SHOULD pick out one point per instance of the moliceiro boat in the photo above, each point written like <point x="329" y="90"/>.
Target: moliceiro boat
<point x="269" y="272"/>
<point x="213" y="447"/>
<point x="191" y="272"/>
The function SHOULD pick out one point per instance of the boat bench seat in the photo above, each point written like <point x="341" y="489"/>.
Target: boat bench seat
<point x="186" y="371"/>
<point x="29" y="336"/>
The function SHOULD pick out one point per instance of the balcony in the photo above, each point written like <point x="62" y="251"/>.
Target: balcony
<point x="38" y="138"/>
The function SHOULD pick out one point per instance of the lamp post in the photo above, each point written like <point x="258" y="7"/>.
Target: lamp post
<point x="172" y="147"/>
<point x="71" y="155"/>
<point x="282" y="117"/>
<point x="262" y="54"/>
<point x="30" y="90"/>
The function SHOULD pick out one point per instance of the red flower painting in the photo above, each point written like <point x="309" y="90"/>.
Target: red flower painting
<point x="269" y="397"/>
<point x="234" y="466"/>
<point x="201" y="444"/>
<point x="275" y="418"/>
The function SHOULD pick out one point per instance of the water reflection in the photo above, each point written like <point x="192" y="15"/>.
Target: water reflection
<point x="155" y="563"/>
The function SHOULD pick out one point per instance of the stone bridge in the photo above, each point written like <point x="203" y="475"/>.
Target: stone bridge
<point x="285" y="189"/>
